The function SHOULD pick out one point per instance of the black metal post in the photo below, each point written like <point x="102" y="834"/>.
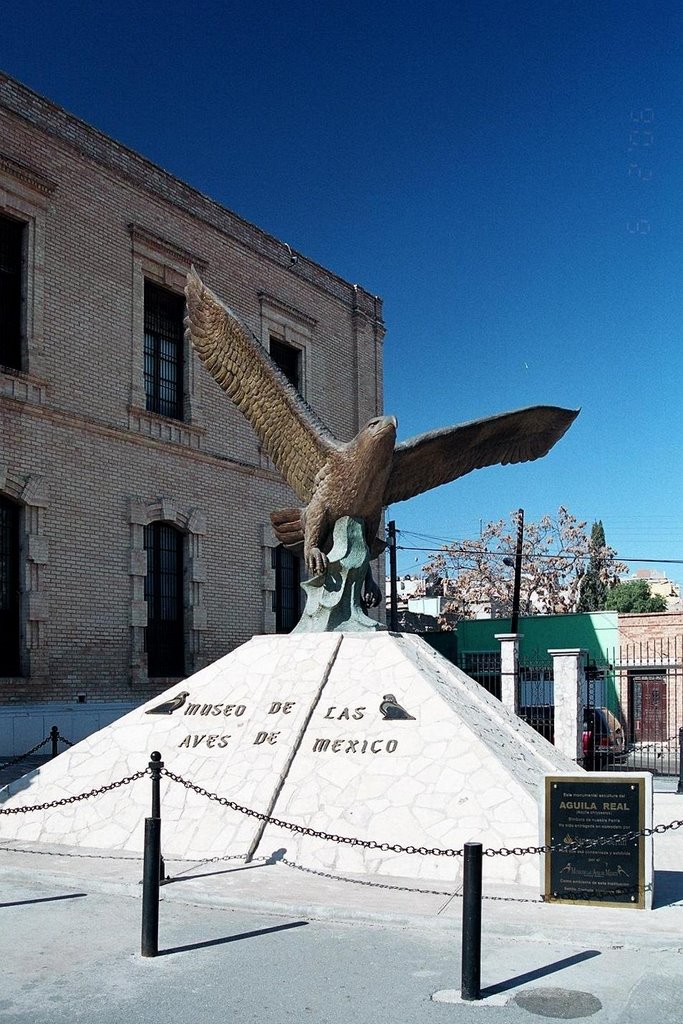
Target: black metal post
<point x="514" y="624"/>
<point x="155" y="766"/>
<point x="470" y="981"/>
<point x="680" y="760"/>
<point x="54" y="736"/>
<point x="393" y="591"/>
<point x="150" y="887"/>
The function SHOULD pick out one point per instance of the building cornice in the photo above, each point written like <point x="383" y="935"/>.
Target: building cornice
<point x="272" y="302"/>
<point x="146" y="239"/>
<point x="27" y="175"/>
<point x="91" y="143"/>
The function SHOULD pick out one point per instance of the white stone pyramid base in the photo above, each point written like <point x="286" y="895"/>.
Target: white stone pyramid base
<point x="292" y="726"/>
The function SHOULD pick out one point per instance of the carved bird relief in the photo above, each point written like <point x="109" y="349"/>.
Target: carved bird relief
<point x="355" y="478"/>
<point x="169" y="706"/>
<point x="392" y="711"/>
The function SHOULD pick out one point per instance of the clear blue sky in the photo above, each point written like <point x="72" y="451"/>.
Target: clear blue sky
<point x="506" y="175"/>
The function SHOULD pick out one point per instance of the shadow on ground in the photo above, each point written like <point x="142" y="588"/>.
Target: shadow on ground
<point x="539" y="972"/>
<point x="668" y="888"/>
<point x="231" y="938"/>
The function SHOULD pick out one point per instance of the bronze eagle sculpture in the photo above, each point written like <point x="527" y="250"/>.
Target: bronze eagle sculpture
<point x="356" y="478"/>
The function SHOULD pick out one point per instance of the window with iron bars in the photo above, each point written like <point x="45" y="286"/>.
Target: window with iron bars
<point x="11" y="284"/>
<point x="287" y="596"/>
<point x="10" y="624"/>
<point x="165" y="632"/>
<point x="164" y="312"/>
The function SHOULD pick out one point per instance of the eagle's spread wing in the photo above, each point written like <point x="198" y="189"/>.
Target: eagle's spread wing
<point x="296" y="440"/>
<point x="439" y="456"/>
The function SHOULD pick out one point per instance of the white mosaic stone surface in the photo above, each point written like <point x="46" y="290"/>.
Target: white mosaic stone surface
<point x="211" y="740"/>
<point x="294" y="723"/>
<point x="464" y="769"/>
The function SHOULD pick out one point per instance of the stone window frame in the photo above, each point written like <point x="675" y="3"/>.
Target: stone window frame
<point x="292" y="327"/>
<point x="166" y="264"/>
<point x="192" y="523"/>
<point x="268" y="544"/>
<point x="29" y="492"/>
<point x="25" y="196"/>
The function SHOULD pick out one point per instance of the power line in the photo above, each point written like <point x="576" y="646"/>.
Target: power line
<point x="507" y="554"/>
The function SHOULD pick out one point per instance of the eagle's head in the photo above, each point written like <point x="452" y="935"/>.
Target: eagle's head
<point x="378" y="436"/>
<point x="381" y="426"/>
<point x="371" y="453"/>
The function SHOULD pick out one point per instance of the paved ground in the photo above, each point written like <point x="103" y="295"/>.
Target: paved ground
<point x="70" y="960"/>
<point x="271" y="942"/>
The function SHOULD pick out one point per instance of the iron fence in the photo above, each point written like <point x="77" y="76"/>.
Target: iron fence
<point x="632" y="702"/>
<point x="537" y="695"/>
<point x="484" y="666"/>
<point x="641" y="685"/>
<point x="535" y="680"/>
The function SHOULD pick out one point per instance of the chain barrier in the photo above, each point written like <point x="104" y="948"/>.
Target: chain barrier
<point x="367" y="882"/>
<point x="192" y="864"/>
<point x="290" y="826"/>
<point x="70" y="853"/>
<point x="402" y="888"/>
<point x="17" y="760"/>
<point x="38" y="746"/>
<point x="63" y="801"/>
<point x="371" y="844"/>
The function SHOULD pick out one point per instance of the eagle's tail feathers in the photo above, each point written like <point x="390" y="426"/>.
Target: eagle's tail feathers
<point x="288" y="525"/>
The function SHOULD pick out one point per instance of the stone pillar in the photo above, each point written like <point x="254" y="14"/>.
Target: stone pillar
<point x="509" y="670"/>
<point x="568" y="676"/>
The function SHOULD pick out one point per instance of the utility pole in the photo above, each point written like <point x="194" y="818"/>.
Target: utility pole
<point x="393" y="588"/>
<point x="514" y="626"/>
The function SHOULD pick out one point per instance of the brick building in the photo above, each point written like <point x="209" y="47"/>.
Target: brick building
<point x="135" y="544"/>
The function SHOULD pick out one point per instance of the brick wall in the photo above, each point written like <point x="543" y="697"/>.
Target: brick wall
<point x="79" y="452"/>
<point x="650" y="627"/>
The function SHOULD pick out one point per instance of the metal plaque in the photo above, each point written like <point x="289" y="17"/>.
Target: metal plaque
<point x="603" y="808"/>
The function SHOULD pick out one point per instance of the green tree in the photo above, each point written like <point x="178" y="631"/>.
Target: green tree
<point x="634" y="596"/>
<point x="598" y="576"/>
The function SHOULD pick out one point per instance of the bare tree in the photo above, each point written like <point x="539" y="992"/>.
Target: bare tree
<point x="555" y="555"/>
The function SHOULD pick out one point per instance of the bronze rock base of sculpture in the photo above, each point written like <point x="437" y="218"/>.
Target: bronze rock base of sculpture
<point x="334" y="599"/>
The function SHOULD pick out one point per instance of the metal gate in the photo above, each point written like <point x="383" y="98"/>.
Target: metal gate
<point x="641" y="684"/>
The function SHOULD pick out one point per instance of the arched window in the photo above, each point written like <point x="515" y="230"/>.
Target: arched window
<point x="10" y="621"/>
<point x="287" y="597"/>
<point x="165" y="632"/>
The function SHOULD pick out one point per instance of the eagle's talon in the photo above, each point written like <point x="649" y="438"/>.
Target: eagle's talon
<point x="372" y="595"/>
<point x="316" y="562"/>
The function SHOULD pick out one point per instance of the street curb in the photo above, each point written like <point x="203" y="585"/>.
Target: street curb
<point x="538" y="922"/>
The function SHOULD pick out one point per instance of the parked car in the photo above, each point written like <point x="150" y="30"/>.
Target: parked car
<point x="604" y="740"/>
